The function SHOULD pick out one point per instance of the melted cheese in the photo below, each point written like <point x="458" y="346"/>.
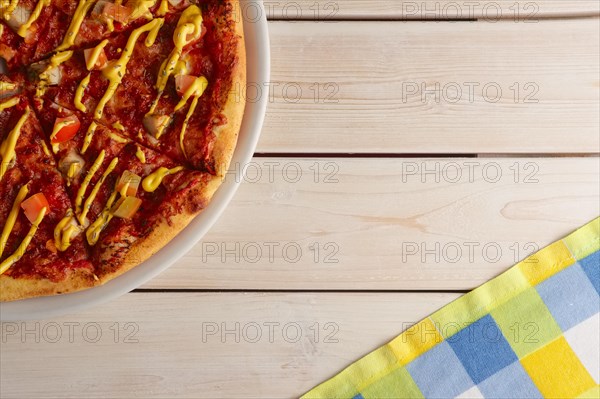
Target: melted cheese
<point x="12" y="218"/>
<point x="86" y="182"/>
<point x="14" y="258"/>
<point x="89" y="135"/>
<point x="153" y="180"/>
<point x="95" y="54"/>
<point x="140" y="155"/>
<point x="7" y="149"/>
<point x="75" y="25"/>
<point x="79" y="93"/>
<point x="88" y="202"/>
<point x="35" y="14"/>
<point x="116" y="69"/>
<point x="9" y="103"/>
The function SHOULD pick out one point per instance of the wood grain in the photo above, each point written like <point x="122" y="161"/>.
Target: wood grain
<point x="363" y="102"/>
<point x="392" y="224"/>
<point x="427" y="10"/>
<point x="175" y="356"/>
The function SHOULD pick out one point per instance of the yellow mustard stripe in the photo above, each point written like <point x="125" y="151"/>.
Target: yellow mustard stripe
<point x="79" y="93"/>
<point x="116" y="69"/>
<point x="6" y="86"/>
<point x="93" y="232"/>
<point x="7" y="149"/>
<point x="18" y="254"/>
<point x="55" y="61"/>
<point x="141" y="8"/>
<point x="75" y="25"/>
<point x="190" y="23"/>
<point x="12" y="217"/>
<point x="163" y="8"/>
<point x="64" y="230"/>
<point x="185" y="124"/>
<point x="37" y="11"/>
<point x="95" y="54"/>
<point x="9" y="103"/>
<point x="118" y="138"/>
<point x="90" y="199"/>
<point x="8" y="8"/>
<point x="140" y="155"/>
<point x="86" y="182"/>
<point x="89" y="135"/>
<point x="57" y="128"/>
<point x="154" y="179"/>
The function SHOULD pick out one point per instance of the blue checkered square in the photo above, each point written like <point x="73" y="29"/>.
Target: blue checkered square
<point x="482" y="349"/>
<point x="439" y="374"/>
<point x="508" y="383"/>
<point x="570" y="297"/>
<point x="591" y="267"/>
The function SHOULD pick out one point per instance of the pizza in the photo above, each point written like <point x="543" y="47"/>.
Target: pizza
<point x="118" y="122"/>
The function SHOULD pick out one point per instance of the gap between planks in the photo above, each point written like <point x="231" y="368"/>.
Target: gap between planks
<point x="428" y="10"/>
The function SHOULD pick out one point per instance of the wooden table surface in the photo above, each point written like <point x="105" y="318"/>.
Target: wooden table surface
<point x="411" y="152"/>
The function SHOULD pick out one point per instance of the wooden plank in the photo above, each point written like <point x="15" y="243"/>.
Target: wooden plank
<point x="175" y="345"/>
<point x="427" y="10"/>
<point x="393" y="224"/>
<point x="432" y="88"/>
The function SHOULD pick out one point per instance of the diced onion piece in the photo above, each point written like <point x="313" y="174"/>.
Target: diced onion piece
<point x="34" y="205"/>
<point x="71" y="163"/>
<point x="128" y="207"/>
<point x="105" y="10"/>
<point x="101" y="61"/>
<point x="183" y="83"/>
<point x="175" y="3"/>
<point x="68" y="128"/>
<point x="18" y="18"/>
<point x="54" y="76"/>
<point x="134" y="183"/>
<point x="154" y="123"/>
<point x="6" y="93"/>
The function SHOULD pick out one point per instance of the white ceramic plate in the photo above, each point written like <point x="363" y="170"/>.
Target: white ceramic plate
<point x="258" y="55"/>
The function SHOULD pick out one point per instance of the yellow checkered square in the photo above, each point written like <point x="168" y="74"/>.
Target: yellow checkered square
<point x="557" y="372"/>
<point x="546" y="263"/>
<point x="415" y="340"/>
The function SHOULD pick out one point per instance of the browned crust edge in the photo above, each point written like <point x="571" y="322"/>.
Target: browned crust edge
<point x="142" y="249"/>
<point x="12" y="289"/>
<point x="226" y="136"/>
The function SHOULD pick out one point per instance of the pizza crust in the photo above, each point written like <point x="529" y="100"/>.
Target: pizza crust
<point x="226" y="136"/>
<point x="12" y="289"/>
<point x="143" y="248"/>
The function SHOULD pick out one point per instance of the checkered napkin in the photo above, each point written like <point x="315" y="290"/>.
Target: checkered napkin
<point x="531" y="332"/>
